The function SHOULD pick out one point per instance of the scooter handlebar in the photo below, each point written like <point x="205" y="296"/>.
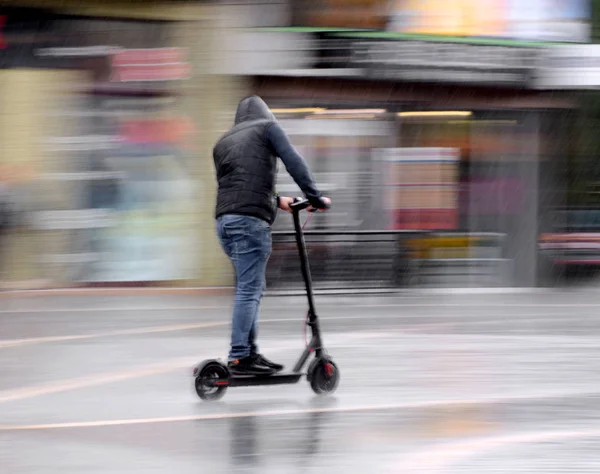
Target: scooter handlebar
<point x="300" y="204"/>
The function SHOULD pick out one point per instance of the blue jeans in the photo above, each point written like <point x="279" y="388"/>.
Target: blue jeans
<point x="247" y="242"/>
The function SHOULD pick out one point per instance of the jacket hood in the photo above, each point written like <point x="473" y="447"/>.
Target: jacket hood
<point x="252" y="108"/>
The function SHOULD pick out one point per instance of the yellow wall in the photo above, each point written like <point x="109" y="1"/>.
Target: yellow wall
<point x="207" y="99"/>
<point x="210" y="100"/>
<point x="26" y="97"/>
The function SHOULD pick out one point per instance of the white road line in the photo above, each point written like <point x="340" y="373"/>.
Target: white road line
<point x="348" y="409"/>
<point x="532" y="318"/>
<point x="119" y="332"/>
<point x="153" y="369"/>
<point x="439" y="460"/>
<point x="94" y="380"/>
<point x="180" y="363"/>
<point x="6" y="343"/>
<point x="107" y="309"/>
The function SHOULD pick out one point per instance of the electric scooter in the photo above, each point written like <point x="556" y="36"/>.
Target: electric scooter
<point x="213" y="378"/>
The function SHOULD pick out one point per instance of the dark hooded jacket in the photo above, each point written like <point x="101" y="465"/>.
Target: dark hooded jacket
<point x="246" y="164"/>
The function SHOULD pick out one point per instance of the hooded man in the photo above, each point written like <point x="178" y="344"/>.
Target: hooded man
<point x="246" y="167"/>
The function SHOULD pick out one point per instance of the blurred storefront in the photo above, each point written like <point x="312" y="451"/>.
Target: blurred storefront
<point x="427" y="126"/>
<point x="104" y="126"/>
<point x="445" y="160"/>
<point x="439" y="133"/>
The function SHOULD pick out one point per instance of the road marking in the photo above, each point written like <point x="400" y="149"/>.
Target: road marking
<point x="108" y="309"/>
<point x="439" y="460"/>
<point x="153" y="369"/>
<point x="180" y="363"/>
<point x="7" y="343"/>
<point x="188" y="362"/>
<point x="532" y="318"/>
<point x="148" y="330"/>
<point x="108" y="291"/>
<point x="93" y="380"/>
<point x="302" y="411"/>
<point x="120" y="332"/>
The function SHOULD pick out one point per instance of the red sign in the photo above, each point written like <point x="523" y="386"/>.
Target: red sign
<point x="3" y="44"/>
<point x="152" y="73"/>
<point x="146" y="57"/>
<point x="425" y="219"/>
<point x="146" y="65"/>
<point x="172" y="130"/>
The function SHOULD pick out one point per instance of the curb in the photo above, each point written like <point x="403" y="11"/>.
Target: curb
<point x="210" y="291"/>
<point x="412" y="291"/>
<point x="229" y="291"/>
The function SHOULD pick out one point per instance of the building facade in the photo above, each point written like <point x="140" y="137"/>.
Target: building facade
<point x="107" y="126"/>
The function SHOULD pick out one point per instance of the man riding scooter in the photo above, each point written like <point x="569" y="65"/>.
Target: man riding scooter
<point x="245" y="160"/>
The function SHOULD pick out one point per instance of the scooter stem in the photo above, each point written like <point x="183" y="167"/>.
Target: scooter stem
<point x="304" y="265"/>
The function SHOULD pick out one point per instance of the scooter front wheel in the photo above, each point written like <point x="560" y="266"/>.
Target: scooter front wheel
<point x="211" y="381"/>
<point x="324" y="376"/>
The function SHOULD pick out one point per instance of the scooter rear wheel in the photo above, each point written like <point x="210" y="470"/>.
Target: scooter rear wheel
<point x="324" y="376"/>
<point x="204" y="383"/>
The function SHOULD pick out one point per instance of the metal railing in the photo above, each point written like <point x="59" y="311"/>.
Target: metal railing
<point x="388" y="259"/>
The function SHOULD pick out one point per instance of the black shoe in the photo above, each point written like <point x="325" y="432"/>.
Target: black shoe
<point x="248" y="366"/>
<point x="262" y="360"/>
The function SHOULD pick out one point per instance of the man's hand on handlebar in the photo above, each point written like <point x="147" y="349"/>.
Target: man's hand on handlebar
<point x="285" y="204"/>
<point x="325" y="204"/>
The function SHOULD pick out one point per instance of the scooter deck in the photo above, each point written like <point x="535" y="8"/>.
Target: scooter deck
<point x="253" y="380"/>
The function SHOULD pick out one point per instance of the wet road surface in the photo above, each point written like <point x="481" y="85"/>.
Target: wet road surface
<point x="429" y="384"/>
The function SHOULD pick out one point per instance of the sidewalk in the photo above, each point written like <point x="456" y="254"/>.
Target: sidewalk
<point x="224" y="291"/>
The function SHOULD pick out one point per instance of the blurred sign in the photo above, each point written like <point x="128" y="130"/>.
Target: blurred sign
<point x="168" y="130"/>
<point x="76" y="52"/>
<point x="449" y="17"/>
<point x="311" y="55"/>
<point x="343" y="13"/>
<point x="421" y="187"/>
<point x="337" y="128"/>
<point x="536" y="20"/>
<point x="72" y="219"/>
<point x="445" y="62"/>
<point x="569" y="67"/>
<point x="131" y="65"/>
<point x="156" y="64"/>
<point x="144" y="57"/>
